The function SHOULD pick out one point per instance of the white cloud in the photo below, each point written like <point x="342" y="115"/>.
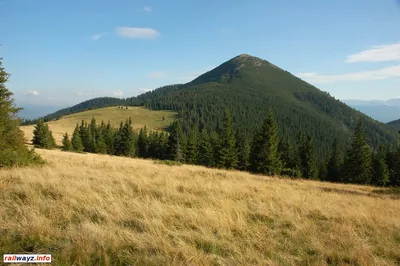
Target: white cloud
<point x="380" y="53"/>
<point x="31" y="93"/>
<point x="158" y="75"/>
<point x="137" y="33"/>
<point x="148" y="8"/>
<point x="98" y="36"/>
<point x="79" y="93"/>
<point x="380" y="74"/>
<point x="118" y="93"/>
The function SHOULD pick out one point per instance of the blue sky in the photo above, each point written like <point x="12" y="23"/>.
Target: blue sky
<point x="64" y="52"/>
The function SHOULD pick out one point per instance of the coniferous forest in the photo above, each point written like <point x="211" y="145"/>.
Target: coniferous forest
<point x="265" y="152"/>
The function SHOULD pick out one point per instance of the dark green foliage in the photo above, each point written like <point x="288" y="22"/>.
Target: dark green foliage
<point x="42" y="136"/>
<point x="308" y="159"/>
<point x="13" y="151"/>
<point x="205" y="149"/>
<point x="192" y="148"/>
<point x="175" y="143"/>
<point x="66" y="143"/>
<point x="227" y="153"/>
<point x="380" y="167"/>
<point x="125" y="140"/>
<point x="265" y="157"/>
<point x="243" y="150"/>
<point x="358" y="165"/>
<point x="143" y="144"/>
<point x="393" y="161"/>
<point x="76" y="140"/>
<point x="245" y="85"/>
<point x="335" y="164"/>
<point x="289" y="156"/>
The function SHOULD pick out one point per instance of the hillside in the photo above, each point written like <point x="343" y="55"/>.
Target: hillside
<point x="395" y="124"/>
<point x="140" y="117"/>
<point x="248" y="86"/>
<point x="103" y="210"/>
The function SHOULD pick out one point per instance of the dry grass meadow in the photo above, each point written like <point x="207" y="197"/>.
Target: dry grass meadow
<point x="140" y="117"/>
<point x="88" y="209"/>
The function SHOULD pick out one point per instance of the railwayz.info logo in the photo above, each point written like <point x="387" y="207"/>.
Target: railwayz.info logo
<point x="26" y="258"/>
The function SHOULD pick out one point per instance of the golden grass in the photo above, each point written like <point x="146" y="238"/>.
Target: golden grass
<point x="140" y="117"/>
<point x="103" y="210"/>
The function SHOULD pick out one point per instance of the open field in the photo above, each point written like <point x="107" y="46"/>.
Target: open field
<point x="88" y="209"/>
<point x="140" y="117"/>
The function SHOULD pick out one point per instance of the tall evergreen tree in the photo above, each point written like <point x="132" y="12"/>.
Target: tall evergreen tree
<point x="66" y="143"/>
<point x="12" y="148"/>
<point x="191" y="149"/>
<point x="205" y="150"/>
<point x="109" y="135"/>
<point x="287" y="154"/>
<point x="174" y="143"/>
<point x="227" y="154"/>
<point x="76" y="140"/>
<point x="127" y="139"/>
<point x="143" y="143"/>
<point x="308" y="158"/>
<point x="264" y="157"/>
<point x="42" y="136"/>
<point x="381" y="172"/>
<point x="216" y="145"/>
<point x="358" y="164"/>
<point x="335" y="163"/>
<point x="243" y="148"/>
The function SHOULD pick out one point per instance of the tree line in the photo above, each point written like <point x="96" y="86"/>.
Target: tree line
<point x="264" y="152"/>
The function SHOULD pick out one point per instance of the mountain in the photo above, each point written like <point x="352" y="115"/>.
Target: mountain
<point x="395" y="124"/>
<point x="248" y="86"/>
<point x="383" y="111"/>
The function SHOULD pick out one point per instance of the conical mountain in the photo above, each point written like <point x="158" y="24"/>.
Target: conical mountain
<point x="248" y="86"/>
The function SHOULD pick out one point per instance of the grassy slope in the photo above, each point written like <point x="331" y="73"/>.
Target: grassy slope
<point x="140" y="117"/>
<point x="103" y="210"/>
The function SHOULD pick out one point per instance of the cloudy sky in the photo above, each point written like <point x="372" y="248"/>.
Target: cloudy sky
<point x="64" y="52"/>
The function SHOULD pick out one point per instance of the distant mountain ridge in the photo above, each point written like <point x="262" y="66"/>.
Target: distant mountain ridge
<point x="248" y="86"/>
<point x="381" y="110"/>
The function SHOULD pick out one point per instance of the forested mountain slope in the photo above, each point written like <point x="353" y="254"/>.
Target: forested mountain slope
<point x="248" y="86"/>
<point x="395" y="124"/>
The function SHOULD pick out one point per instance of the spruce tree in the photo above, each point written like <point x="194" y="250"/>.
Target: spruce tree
<point x="227" y="154"/>
<point x="174" y="143"/>
<point x="66" y="143"/>
<point x="13" y="151"/>
<point x="143" y="143"/>
<point x="216" y="145"/>
<point x="243" y="149"/>
<point x="191" y="149"/>
<point x="308" y="158"/>
<point x="335" y="163"/>
<point x="358" y="166"/>
<point x="205" y="149"/>
<point x="42" y="136"/>
<point x="109" y="135"/>
<point x="380" y="167"/>
<point x="264" y="157"/>
<point x="76" y="140"/>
